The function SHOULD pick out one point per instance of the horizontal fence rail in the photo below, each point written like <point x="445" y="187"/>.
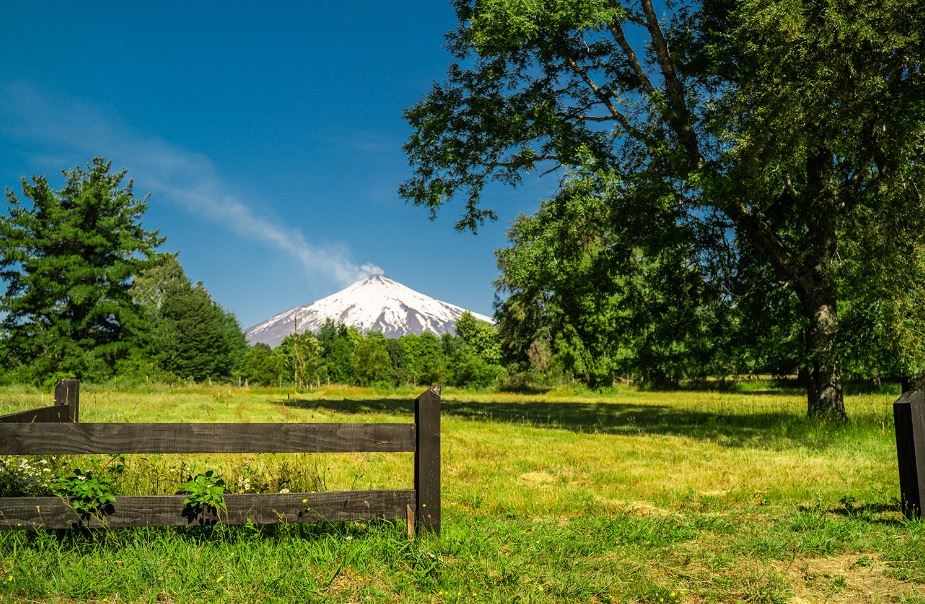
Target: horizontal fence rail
<point x="168" y="510"/>
<point x="55" y="430"/>
<point x="57" y="439"/>
<point x="53" y="413"/>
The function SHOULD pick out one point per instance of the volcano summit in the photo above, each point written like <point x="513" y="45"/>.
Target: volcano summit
<point x="375" y="303"/>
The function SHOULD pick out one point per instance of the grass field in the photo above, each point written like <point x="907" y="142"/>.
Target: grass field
<point x="563" y="497"/>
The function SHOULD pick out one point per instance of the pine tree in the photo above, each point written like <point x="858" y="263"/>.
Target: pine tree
<point x="198" y="339"/>
<point x="189" y="334"/>
<point x="68" y="258"/>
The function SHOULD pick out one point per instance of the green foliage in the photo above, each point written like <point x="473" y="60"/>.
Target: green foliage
<point x="304" y="362"/>
<point x="371" y="361"/>
<point x="23" y="476"/>
<point x="481" y="337"/>
<point x="601" y="294"/>
<point x="234" y="344"/>
<point x="67" y="259"/>
<point x="141" y="367"/>
<point x="87" y="493"/>
<point x="196" y="338"/>
<point x="163" y="276"/>
<point x="204" y="492"/>
<point x="339" y="342"/>
<point x="398" y="362"/>
<point x="882" y="323"/>
<point x="470" y="369"/>
<point x="341" y="354"/>
<point x="474" y="355"/>
<point x="781" y="140"/>
<point x="264" y="366"/>
<point x="424" y="362"/>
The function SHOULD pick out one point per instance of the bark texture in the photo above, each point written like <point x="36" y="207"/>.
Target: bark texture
<point x="824" y="394"/>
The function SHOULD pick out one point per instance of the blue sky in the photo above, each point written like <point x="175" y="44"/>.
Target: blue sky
<point x="268" y="135"/>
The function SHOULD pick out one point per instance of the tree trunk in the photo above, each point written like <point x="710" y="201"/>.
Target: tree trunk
<point x="824" y="385"/>
<point x="820" y="292"/>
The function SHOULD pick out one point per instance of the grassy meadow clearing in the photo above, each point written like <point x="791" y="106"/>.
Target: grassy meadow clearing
<point x="567" y="496"/>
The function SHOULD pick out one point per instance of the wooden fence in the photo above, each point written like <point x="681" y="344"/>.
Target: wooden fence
<point x="54" y="430"/>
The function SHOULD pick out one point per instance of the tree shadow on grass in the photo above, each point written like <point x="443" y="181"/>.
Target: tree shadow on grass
<point x="763" y="430"/>
<point x="872" y="512"/>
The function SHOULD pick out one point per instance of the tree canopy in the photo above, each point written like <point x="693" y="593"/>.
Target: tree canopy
<point x="88" y="294"/>
<point x="786" y="137"/>
<point x="67" y="258"/>
<point x="605" y="297"/>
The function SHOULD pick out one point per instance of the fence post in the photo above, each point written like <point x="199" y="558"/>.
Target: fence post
<point x="427" y="460"/>
<point x="909" y="420"/>
<point x="67" y="393"/>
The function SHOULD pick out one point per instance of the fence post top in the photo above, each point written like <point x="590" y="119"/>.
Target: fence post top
<point x="433" y="391"/>
<point x="910" y="397"/>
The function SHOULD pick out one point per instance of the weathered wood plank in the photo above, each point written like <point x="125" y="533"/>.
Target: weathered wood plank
<point x="52" y="413"/>
<point x="427" y="460"/>
<point x="909" y="422"/>
<point x="168" y="510"/>
<point x="55" y="439"/>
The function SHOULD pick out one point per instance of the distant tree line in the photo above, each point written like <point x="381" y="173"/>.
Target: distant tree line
<point x="341" y="354"/>
<point x="89" y="295"/>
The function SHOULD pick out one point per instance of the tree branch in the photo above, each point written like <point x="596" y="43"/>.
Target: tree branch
<point x="491" y="164"/>
<point x="552" y="169"/>
<point x="605" y="99"/>
<point x="593" y="118"/>
<point x="680" y="118"/>
<point x="616" y="30"/>
<point x="761" y="236"/>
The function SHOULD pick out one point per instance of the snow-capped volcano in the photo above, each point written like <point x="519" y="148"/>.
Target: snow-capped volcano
<point x="375" y="303"/>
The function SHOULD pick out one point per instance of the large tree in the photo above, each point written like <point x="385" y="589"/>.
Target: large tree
<point x="608" y="294"/>
<point x="67" y="258"/>
<point x="790" y="131"/>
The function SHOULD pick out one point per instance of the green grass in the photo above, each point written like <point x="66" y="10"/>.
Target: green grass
<point x="725" y="495"/>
